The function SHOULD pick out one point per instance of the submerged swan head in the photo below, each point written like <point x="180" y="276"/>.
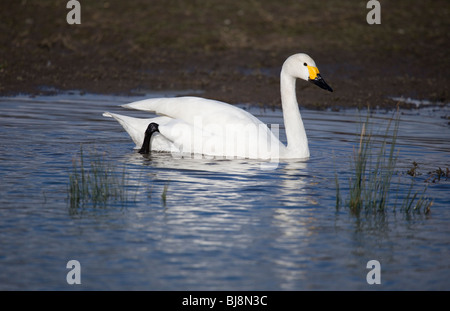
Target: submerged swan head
<point x="302" y="66"/>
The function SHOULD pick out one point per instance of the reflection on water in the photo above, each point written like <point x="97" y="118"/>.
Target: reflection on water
<point x="225" y="224"/>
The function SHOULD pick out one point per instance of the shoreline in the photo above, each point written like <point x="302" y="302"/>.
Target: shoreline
<point x="233" y="53"/>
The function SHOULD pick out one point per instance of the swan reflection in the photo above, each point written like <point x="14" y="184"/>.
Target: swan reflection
<point x="216" y="206"/>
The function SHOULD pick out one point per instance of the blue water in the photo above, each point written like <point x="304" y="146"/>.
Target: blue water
<point x="225" y="224"/>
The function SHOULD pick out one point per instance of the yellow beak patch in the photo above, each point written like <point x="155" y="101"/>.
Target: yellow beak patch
<point x="313" y="72"/>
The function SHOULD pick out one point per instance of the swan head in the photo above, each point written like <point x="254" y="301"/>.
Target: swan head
<point x="302" y="66"/>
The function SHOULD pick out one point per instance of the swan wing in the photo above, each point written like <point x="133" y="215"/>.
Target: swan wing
<point x="196" y="110"/>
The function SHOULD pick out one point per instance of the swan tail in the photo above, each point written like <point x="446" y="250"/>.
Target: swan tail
<point x="136" y="127"/>
<point x="133" y="126"/>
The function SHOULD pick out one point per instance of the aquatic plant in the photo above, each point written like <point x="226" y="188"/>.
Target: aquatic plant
<point x="96" y="183"/>
<point x="438" y="174"/>
<point x="434" y="176"/>
<point x="370" y="184"/>
<point x="164" y="193"/>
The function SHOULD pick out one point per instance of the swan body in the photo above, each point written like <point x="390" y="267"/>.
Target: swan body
<point x="210" y="127"/>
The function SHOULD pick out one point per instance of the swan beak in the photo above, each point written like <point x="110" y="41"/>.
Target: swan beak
<point x="316" y="78"/>
<point x="320" y="82"/>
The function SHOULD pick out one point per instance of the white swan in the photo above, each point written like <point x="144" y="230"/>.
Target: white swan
<point x="210" y="127"/>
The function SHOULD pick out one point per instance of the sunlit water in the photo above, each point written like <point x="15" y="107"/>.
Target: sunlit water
<point x="224" y="224"/>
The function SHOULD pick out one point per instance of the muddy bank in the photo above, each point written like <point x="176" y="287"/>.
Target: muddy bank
<point x="232" y="51"/>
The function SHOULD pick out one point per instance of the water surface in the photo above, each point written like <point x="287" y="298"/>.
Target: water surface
<point x="225" y="224"/>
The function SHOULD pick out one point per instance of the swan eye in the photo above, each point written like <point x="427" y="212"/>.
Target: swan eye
<point x="305" y="64"/>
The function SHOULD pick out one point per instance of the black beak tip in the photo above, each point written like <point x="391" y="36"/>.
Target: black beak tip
<point x="320" y="82"/>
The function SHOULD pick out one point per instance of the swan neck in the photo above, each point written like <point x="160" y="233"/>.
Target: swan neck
<point x="297" y="140"/>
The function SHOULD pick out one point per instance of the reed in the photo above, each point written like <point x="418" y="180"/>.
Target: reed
<point x="164" y="193"/>
<point x="373" y="166"/>
<point x="96" y="183"/>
